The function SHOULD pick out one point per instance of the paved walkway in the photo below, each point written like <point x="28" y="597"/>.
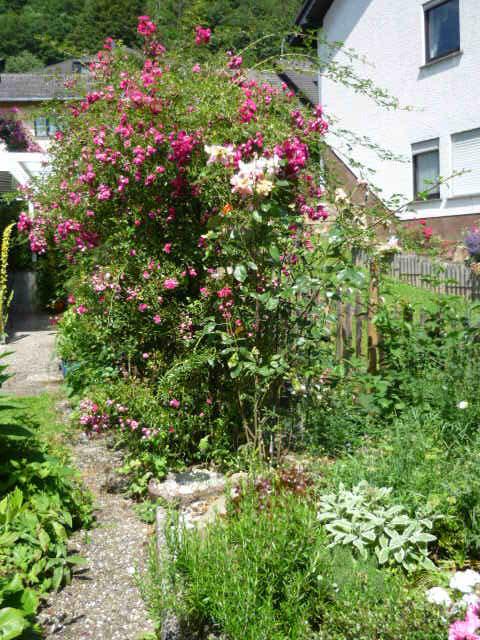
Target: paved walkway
<point x="32" y="360"/>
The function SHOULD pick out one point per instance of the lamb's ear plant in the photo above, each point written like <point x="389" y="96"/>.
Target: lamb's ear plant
<point x="365" y="518"/>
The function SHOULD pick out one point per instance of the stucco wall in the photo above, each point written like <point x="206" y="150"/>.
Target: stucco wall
<point x="445" y="95"/>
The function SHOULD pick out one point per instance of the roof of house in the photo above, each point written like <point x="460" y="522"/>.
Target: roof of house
<point x="299" y="77"/>
<point x="32" y="87"/>
<point x="312" y="13"/>
<point x="303" y="82"/>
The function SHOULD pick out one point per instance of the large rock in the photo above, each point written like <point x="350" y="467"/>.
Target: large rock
<point x="188" y="486"/>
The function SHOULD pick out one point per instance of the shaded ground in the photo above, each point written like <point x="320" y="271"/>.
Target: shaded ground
<point x="103" y="601"/>
<point x="32" y="358"/>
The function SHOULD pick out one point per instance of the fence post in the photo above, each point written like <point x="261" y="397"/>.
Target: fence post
<point x="358" y="325"/>
<point x="373" y="297"/>
<point x="340" y="331"/>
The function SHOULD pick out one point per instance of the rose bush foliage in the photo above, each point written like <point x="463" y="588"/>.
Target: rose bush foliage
<point x="180" y="206"/>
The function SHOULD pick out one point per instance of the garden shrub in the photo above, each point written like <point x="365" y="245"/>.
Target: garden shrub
<point x="424" y="471"/>
<point x="267" y="572"/>
<point x="181" y="197"/>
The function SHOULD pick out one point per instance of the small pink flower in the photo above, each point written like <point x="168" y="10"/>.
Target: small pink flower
<point x="170" y="283"/>
<point x="167" y="248"/>
<point x="174" y="403"/>
<point x="465" y="629"/>
<point x="145" y="356"/>
<point x="157" y="319"/>
<point x="196" y="68"/>
<point x="146" y="275"/>
<point x="202" y="35"/>
<point x="142" y="307"/>
<point x="145" y="26"/>
<point x="226" y="292"/>
<point x="81" y="310"/>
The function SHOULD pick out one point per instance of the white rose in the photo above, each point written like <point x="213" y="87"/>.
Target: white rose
<point x="470" y="599"/>
<point x="463" y="404"/>
<point x="465" y="581"/>
<point x="438" y="595"/>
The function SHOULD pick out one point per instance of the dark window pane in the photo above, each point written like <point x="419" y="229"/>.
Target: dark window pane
<point x="41" y="127"/>
<point x="427" y="172"/>
<point x="52" y="126"/>
<point x="443" y="29"/>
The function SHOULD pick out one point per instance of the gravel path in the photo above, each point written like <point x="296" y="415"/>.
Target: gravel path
<point x="103" y="601"/>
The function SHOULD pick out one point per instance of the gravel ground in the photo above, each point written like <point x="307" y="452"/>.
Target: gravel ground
<point x="103" y="601"/>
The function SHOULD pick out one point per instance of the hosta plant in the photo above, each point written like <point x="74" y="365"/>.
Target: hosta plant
<point x="365" y="518"/>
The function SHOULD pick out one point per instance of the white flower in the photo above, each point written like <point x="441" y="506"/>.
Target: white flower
<point x="463" y="404"/>
<point x="465" y="581"/>
<point x="341" y="196"/>
<point x="3" y="146"/>
<point x="470" y="599"/>
<point x="219" y="153"/>
<point x="263" y="186"/>
<point x="438" y="595"/>
<point x="391" y="245"/>
<point x="242" y="184"/>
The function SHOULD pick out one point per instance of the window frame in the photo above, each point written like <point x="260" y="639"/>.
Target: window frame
<point x="426" y="11"/>
<point x="50" y="127"/>
<point x="434" y="195"/>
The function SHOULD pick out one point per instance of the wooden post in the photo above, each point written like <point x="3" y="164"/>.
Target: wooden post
<point x="340" y="331"/>
<point x="347" y="333"/>
<point x="373" y="296"/>
<point x="358" y="325"/>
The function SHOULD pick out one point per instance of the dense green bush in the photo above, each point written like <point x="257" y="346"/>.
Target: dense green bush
<point x="424" y="471"/>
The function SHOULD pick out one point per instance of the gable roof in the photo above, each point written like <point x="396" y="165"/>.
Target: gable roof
<point x="312" y="13"/>
<point x="32" y="87"/>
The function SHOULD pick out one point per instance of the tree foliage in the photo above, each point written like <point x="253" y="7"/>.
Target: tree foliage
<point x="52" y="30"/>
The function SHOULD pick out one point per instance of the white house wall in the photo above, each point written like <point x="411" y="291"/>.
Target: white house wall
<point x="445" y="95"/>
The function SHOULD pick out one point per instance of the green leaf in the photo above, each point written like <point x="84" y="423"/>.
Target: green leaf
<point x="382" y="555"/>
<point x="240" y="273"/>
<point x="275" y="253"/>
<point x="15" y="431"/>
<point x="44" y="539"/>
<point x="257" y="217"/>
<point x="12" y="623"/>
<point x="30" y="602"/>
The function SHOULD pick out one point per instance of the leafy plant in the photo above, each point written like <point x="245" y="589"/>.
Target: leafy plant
<point x="365" y="519"/>
<point x="40" y="505"/>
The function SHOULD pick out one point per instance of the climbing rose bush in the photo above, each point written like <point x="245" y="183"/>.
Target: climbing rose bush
<point x="181" y="201"/>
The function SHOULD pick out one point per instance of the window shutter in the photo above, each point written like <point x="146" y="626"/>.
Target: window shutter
<point x="466" y="155"/>
<point x="6" y="182"/>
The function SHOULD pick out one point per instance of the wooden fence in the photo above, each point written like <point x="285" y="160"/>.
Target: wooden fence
<point x="356" y="332"/>
<point x="451" y="278"/>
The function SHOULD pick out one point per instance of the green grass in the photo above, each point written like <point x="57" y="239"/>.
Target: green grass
<point x="38" y="413"/>
<point x="395" y="291"/>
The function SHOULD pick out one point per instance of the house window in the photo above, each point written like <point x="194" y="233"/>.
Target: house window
<point x="77" y="66"/>
<point x="442" y="29"/>
<point x="466" y="159"/>
<point x="45" y="127"/>
<point x="426" y="170"/>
